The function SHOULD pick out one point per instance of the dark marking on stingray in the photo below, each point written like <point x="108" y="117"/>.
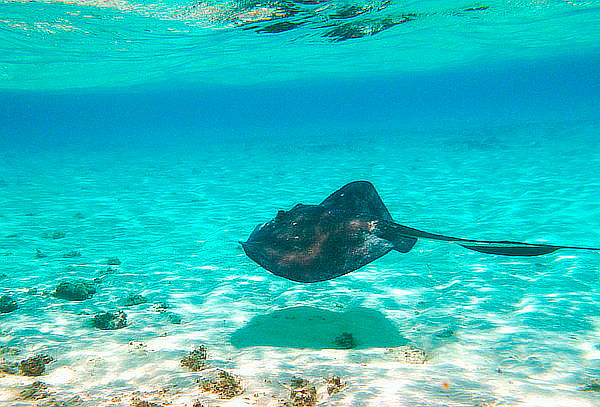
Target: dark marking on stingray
<point x="348" y="230"/>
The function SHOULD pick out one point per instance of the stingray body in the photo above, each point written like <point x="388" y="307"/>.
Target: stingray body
<point x="349" y="229"/>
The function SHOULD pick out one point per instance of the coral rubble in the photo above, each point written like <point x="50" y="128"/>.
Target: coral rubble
<point x="195" y="360"/>
<point x="302" y="393"/>
<point x="34" y="366"/>
<point x="7" y="304"/>
<point x="142" y="403"/>
<point x="334" y="385"/>
<point x="113" y="261"/>
<point x="108" y="321"/>
<point x="78" y="290"/>
<point x="134" y="299"/>
<point x="34" y="391"/>
<point x="224" y="384"/>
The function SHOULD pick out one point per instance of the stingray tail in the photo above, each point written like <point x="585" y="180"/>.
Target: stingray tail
<point x="401" y="234"/>
<point x="512" y="249"/>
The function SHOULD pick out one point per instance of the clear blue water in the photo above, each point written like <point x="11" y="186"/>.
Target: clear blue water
<point x="95" y="43"/>
<point x="162" y="133"/>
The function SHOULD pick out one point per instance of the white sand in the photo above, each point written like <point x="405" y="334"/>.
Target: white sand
<point x="499" y="331"/>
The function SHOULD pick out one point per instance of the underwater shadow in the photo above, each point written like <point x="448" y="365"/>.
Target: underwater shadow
<point x="305" y="327"/>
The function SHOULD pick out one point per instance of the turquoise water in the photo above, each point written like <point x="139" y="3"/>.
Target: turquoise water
<point x="162" y="134"/>
<point x="83" y="43"/>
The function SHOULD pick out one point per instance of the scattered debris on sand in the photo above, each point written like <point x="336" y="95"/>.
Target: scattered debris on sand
<point x="161" y="306"/>
<point x="139" y="348"/>
<point x="142" y="403"/>
<point x="225" y="384"/>
<point x="109" y="321"/>
<point x="334" y="385"/>
<point x="408" y="354"/>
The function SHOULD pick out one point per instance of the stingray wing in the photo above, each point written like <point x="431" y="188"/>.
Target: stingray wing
<point x="360" y="198"/>
<point x="310" y="243"/>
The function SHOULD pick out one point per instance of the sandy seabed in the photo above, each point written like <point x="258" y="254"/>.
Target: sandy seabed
<point x="495" y="331"/>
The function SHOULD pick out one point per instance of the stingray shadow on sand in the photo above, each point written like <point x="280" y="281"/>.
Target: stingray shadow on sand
<point x="303" y="327"/>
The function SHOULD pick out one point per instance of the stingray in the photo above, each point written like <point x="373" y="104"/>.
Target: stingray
<point x="348" y="230"/>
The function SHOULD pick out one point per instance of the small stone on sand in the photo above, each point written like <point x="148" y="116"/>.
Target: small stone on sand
<point x="7" y="304"/>
<point x="113" y="261"/>
<point x="74" y="290"/>
<point x="134" y="299"/>
<point x="34" y="366"/>
<point x="108" y="321"/>
<point x="53" y="234"/>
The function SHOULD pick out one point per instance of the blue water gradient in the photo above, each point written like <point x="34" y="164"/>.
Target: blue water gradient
<point x="168" y="173"/>
<point x="548" y="89"/>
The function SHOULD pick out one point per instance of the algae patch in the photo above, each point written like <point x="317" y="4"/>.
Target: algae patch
<point x="302" y="393"/>
<point x="108" y="321"/>
<point x="7" y="304"/>
<point x="225" y="384"/>
<point x="74" y="290"/>
<point x="195" y="360"/>
<point x="34" y="391"/>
